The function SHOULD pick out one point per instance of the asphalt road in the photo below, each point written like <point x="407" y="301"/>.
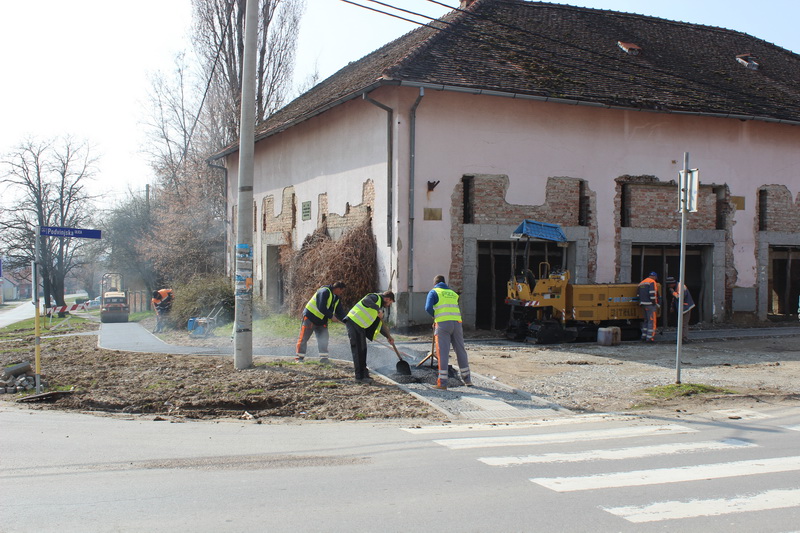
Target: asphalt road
<point x="720" y="472"/>
<point x="712" y="472"/>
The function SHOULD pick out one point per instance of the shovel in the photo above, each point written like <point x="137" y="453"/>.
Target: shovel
<point x="402" y="367"/>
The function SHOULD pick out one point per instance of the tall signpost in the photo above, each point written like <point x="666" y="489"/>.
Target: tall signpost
<point x="48" y="231"/>
<point x="243" y="319"/>
<point x="689" y="184"/>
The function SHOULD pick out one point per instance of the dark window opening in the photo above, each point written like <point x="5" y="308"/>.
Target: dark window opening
<point x="762" y="210"/>
<point x="294" y="211"/>
<point x="468" y="186"/>
<point x="784" y="281"/>
<point x="722" y="207"/>
<point x="583" y="205"/>
<point x="625" y="207"/>
<point x="496" y="265"/>
<point x="665" y="261"/>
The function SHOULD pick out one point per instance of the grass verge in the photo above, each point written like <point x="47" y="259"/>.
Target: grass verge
<point x="669" y="392"/>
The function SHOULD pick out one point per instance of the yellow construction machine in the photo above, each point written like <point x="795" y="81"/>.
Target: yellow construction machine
<point x="550" y="309"/>
<point x="547" y="308"/>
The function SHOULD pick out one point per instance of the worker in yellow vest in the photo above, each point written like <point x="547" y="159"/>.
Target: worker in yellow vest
<point x="442" y="305"/>
<point x="365" y="321"/>
<point x="324" y="305"/>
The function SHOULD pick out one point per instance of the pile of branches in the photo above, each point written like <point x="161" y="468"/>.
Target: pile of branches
<point x="323" y="261"/>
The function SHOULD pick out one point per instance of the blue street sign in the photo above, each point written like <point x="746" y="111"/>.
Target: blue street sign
<point x="70" y="232"/>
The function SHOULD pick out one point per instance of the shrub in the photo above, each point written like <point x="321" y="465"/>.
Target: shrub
<point x="200" y="296"/>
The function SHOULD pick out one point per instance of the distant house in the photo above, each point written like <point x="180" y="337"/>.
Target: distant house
<point x="507" y="109"/>
<point x="12" y="288"/>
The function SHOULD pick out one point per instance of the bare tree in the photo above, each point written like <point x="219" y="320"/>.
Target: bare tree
<point x="125" y="227"/>
<point x="174" y="119"/>
<point x="193" y="116"/>
<point x="49" y="181"/>
<point x="184" y="231"/>
<point x="219" y="41"/>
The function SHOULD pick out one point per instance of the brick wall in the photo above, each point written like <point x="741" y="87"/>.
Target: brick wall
<point x="287" y="220"/>
<point x="353" y="215"/>
<point x="283" y="222"/>
<point x="655" y="206"/>
<point x="782" y="213"/>
<point x="561" y="206"/>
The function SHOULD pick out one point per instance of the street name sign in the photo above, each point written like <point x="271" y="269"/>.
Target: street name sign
<point x="77" y="233"/>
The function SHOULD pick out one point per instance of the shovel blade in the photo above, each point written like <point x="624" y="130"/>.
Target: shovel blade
<point x="403" y="368"/>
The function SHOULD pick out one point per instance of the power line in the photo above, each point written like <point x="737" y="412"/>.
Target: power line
<point x="392" y="14"/>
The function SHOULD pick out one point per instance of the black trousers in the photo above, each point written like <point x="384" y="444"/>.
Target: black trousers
<point x="358" y="347"/>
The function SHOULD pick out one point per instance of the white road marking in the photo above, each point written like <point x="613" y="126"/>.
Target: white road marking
<point x="671" y="510"/>
<point x="656" y="476"/>
<point x="744" y="414"/>
<point x="619" y="453"/>
<point x="572" y="436"/>
<point x="579" y="419"/>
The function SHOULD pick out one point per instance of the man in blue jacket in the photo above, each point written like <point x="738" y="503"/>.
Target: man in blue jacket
<point x="442" y="305"/>
<point x="324" y="305"/>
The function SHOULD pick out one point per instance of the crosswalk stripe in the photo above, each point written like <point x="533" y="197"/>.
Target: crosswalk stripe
<point x="504" y="426"/>
<point x="572" y="436"/>
<point x="744" y="414"/>
<point x="618" y="453"/>
<point x="671" y="510"/>
<point x="638" y="478"/>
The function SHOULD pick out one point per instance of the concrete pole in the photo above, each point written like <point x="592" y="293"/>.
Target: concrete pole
<point x="243" y="321"/>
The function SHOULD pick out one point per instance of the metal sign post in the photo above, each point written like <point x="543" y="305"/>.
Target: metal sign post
<point x="37" y="260"/>
<point x="689" y="184"/>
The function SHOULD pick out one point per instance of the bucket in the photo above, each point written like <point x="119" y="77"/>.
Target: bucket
<point x="609" y="336"/>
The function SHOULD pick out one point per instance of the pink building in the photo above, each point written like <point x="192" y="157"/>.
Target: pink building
<point x="449" y="136"/>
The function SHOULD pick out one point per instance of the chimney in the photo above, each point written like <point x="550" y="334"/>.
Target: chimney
<point x="466" y="3"/>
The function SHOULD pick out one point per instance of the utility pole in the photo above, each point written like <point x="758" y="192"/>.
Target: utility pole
<point x="243" y="321"/>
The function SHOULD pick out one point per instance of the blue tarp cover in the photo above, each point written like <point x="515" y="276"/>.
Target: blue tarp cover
<point x="540" y="230"/>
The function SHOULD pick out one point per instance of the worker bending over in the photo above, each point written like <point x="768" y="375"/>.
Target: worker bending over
<point x="365" y="321"/>
<point x="324" y="305"/>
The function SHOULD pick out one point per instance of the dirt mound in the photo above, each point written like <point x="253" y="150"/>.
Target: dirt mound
<point x="202" y="387"/>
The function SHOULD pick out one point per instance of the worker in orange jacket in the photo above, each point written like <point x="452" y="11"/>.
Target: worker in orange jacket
<point x="648" y="299"/>
<point x="162" y="303"/>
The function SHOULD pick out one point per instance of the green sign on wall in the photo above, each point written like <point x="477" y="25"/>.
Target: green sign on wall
<point x="306" y="210"/>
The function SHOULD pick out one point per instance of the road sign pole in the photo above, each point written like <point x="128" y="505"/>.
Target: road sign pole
<point x="37" y="332"/>
<point x="685" y="193"/>
<point x="75" y="233"/>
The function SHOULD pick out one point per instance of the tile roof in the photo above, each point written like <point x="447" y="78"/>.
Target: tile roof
<point x="565" y="53"/>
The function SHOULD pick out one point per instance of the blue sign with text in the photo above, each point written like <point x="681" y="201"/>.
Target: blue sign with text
<point x="70" y="232"/>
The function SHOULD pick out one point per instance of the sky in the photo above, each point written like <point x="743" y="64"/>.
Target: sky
<point x="83" y="67"/>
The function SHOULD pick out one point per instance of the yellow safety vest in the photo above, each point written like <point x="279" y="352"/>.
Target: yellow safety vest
<point x="364" y="316"/>
<point x="312" y="304"/>
<point x="446" y="309"/>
